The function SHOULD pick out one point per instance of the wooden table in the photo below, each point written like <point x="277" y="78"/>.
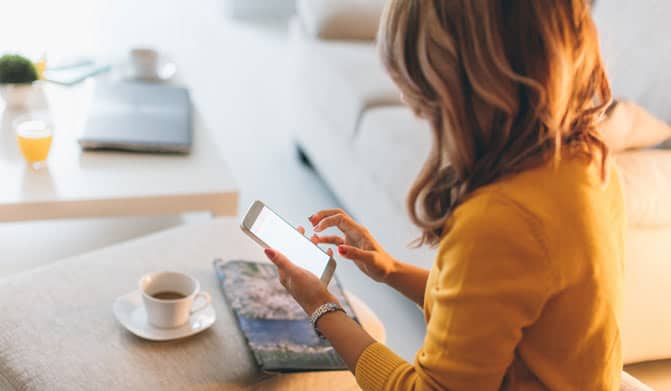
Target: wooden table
<point x="58" y="332"/>
<point x="97" y="184"/>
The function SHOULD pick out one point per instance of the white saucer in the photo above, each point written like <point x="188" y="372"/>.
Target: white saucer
<point x="130" y="312"/>
<point x="166" y="70"/>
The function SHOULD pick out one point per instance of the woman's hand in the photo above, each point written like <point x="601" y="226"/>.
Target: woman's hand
<point x="357" y="244"/>
<point x="346" y="336"/>
<point x="304" y="286"/>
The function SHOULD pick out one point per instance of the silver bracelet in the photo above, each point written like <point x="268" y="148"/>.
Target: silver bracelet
<point x="321" y="311"/>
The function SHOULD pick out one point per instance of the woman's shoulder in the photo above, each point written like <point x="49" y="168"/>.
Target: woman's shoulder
<point x="489" y="216"/>
<point x="552" y="189"/>
<point x="490" y="232"/>
<point x="541" y="211"/>
<point x="538" y="199"/>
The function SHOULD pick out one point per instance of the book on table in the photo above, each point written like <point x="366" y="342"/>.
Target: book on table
<point x="278" y="331"/>
<point x="139" y="117"/>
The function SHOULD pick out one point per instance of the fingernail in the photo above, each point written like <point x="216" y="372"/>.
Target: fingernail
<point x="269" y="253"/>
<point x="342" y="250"/>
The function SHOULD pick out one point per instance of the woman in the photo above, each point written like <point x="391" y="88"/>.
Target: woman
<point x="518" y="193"/>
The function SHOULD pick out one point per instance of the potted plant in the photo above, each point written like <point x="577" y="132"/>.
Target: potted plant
<point x="17" y="75"/>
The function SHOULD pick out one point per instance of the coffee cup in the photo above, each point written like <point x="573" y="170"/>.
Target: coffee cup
<point x="170" y="298"/>
<point x="144" y="62"/>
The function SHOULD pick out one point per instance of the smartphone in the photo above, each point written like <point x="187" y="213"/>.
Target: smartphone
<point x="270" y="230"/>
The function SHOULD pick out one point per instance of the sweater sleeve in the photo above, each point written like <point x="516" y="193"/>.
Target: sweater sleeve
<point x="492" y="281"/>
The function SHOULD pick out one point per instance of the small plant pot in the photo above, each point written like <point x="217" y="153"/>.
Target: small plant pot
<point x="16" y="96"/>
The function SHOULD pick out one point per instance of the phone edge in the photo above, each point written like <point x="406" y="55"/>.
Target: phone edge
<point x="329" y="271"/>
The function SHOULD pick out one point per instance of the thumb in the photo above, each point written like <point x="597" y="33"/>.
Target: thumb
<point x="278" y="258"/>
<point x="284" y="266"/>
<point x="355" y="254"/>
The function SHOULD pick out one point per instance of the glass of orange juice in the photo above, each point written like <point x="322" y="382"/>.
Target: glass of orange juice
<point x="34" y="137"/>
<point x="41" y="66"/>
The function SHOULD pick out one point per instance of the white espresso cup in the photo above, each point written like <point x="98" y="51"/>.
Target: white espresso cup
<point x="145" y="62"/>
<point x="169" y="298"/>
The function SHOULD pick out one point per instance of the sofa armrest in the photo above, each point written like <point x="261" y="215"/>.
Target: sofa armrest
<point x="340" y="19"/>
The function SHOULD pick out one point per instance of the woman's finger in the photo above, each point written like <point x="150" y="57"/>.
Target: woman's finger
<point x="328" y="239"/>
<point x="356" y="254"/>
<point x="317" y="217"/>
<point x="343" y="222"/>
<point x="301" y="229"/>
<point x="329" y="252"/>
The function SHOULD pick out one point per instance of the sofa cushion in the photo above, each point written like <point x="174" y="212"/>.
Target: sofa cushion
<point x="392" y="144"/>
<point x="646" y="320"/>
<point x="647" y="178"/>
<point x="655" y="374"/>
<point x="341" y="19"/>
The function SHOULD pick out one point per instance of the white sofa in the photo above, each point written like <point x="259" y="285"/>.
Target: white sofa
<point x="368" y="147"/>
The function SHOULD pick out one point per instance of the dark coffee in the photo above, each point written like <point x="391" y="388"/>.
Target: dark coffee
<point x="168" y="295"/>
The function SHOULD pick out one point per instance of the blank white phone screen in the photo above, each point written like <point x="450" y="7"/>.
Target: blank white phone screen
<point x="279" y="235"/>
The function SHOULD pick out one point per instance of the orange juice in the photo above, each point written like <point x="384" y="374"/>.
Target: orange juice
<point x="40" y="67"/>
<point x="34" y="138"/>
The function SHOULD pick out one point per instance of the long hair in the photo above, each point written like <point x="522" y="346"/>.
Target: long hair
<point x="506" y="85"/>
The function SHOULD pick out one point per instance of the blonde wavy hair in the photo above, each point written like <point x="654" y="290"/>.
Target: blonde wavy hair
<point x="506" y="85"/>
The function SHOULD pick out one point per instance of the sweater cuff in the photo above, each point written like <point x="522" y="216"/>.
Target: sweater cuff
<point x="375" y="366"/>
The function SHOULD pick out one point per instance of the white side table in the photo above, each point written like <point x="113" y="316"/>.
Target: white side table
<point x="97" y="184"/>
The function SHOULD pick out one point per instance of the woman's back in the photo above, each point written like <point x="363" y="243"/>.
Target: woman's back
<point x="532" y="266"/>
<point x="518" y="191"/>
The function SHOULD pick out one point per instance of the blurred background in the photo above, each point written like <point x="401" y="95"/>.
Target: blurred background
<point x="233" y="56"/>
<point x="238" y="59"/>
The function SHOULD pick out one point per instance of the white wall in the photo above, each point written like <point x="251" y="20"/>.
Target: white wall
<point x="259" y="8"/>
<point x="636" y="43"/>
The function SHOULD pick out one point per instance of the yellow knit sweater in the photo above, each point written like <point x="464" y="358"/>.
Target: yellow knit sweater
<point x="525" y="292"/>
